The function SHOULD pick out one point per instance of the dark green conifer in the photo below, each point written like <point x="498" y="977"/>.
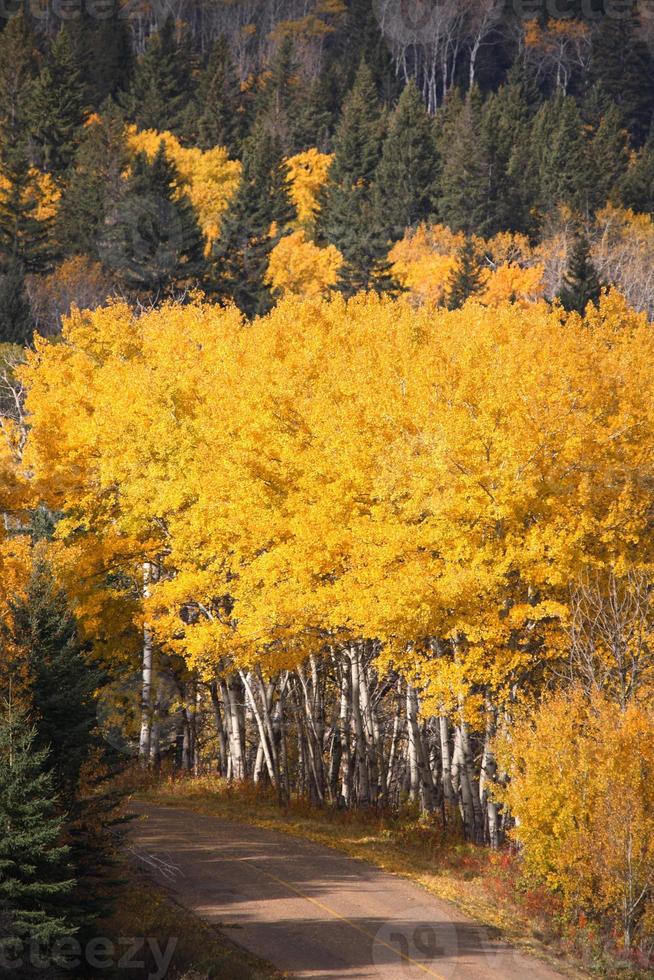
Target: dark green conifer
<point x="581" y="284"/>
<point x="608" y="155"/>
<point x="561" y="158"/>
<point x="404" y="181"/>
<point x="465" y="278"/>
<point x="34" y="873"/>
<point x="158" y="96"/>
<point x="93" y="184"/>
<point x="464" y="181"/>
<point x="348" y="216"/>
<point x="16" y="322"/>
<point x="55" y="107"/>
<point x="220" y="113"/>
<point x="151" y="240"/>
<point x="25" y="237"/>
<point x="622" y="65"/>
<point x="637" y="183"/>
<point x="241" y="254"/>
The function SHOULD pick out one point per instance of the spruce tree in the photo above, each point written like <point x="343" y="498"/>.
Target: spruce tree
<point x="348" y="217"/>
<point x="622" y="65"/>
<point x="581" y="284"/>
<point x="506" y="125"/>
<point x="463" y="194"/>
<point x="25" y="236"/>
<point x="17" y="70"/>
<point x="636" y="187"/>
<point x="151" y="240"/>
<point x="55" y="107"/>
<point x="34" y="873"/>
<point x="93" y="183"/>
<point x="220" y="113"/>
<point x="465" y="279"/>
<point x="16" y="322"/>
<point x="560" y="153"/>
<point x="62" y="682"/>
<point x="158" y="95"/>
<point x="110" y="59"/>
<point x="253" y="224"/>
<point x="404" y="181"/>
<point x="608" y="155"/>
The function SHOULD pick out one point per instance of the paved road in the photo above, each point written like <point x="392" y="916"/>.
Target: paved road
<point x="315" y="913"/>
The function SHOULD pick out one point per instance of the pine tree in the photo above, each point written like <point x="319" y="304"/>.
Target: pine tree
<point x="25" y="236"/>
<point x="404" y="181"/>
<point x="506" y="125"/>
<point x="581" y="284"/>
<point x="34" y="873"/>
<point x="16" y="322"/>
<point x="62" y="682"/>
<point x="158" y="96"/>
<point x="151" y="240"/>
<point x="220" y="113"/>
<point x="109" y="56"/>
<point x="637" y="183"/>
<point x="463" y="194"/>
<point x="93" y="183"/>
<point x="622" y="66"/>
<point x="465" y="278"/>
<point x="55" y="107"/>
<point x="17" y="70"/>
<point x="608" y="155"/>
<point x="255" y="220"/>
<point x="348" y="217"/>
<point x="561" y="156"/>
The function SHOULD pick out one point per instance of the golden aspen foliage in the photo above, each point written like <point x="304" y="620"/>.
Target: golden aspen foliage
<point x="41" y="190"/>
<point x="208" y="177"/>
<point x="582" y="792"/>
<point x="300" y="268"/>
<point x="351" y="470"/>
<point x="307" y="175"/>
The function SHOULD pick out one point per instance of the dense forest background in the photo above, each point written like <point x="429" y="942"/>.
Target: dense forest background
<point x="325" y="433"/>
<point x="478" y="115"/>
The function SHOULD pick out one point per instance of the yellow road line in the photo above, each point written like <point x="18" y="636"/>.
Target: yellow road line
<point x="342" y="918"/>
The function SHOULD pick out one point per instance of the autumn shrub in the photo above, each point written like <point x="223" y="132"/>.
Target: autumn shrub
<point x="582" y="794"/>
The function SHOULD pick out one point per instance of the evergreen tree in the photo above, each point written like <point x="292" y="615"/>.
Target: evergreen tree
<point x="93" y="184"/>
<point x="463" y="199"/>
<point x="25" y="236"/>
<point x="637" y="183"/>
<point x="220" y="113"/>
<point x="62" y="682"/>
<point x="465" y="279"/>
<point x="109" y="56"/>
<point x="278" y="99"/>
<point x="16" y="322"/>
<point x="17" y="70"/>
<point x="561" y="156"/>
<point x="313" y="121"/>
<point x="63" y="685"/>
<point x="506" y="124"/>
<point x="34" y="873"/>
<point x="348" y="217"/>
<point x="404" y="180"/>
<point x="151" y="240"/>
<point x="158" y="95"/>
<point x="362" y="39"/>
<point x="55" y="107"/>
<point x="608" y="155"/>
<point x="581" y="284"/>
<point x="255" y="220"/>
<point x="621" y="64"/>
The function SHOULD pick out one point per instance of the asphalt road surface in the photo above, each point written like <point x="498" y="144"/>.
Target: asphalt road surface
<point x="313" y="912"/>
